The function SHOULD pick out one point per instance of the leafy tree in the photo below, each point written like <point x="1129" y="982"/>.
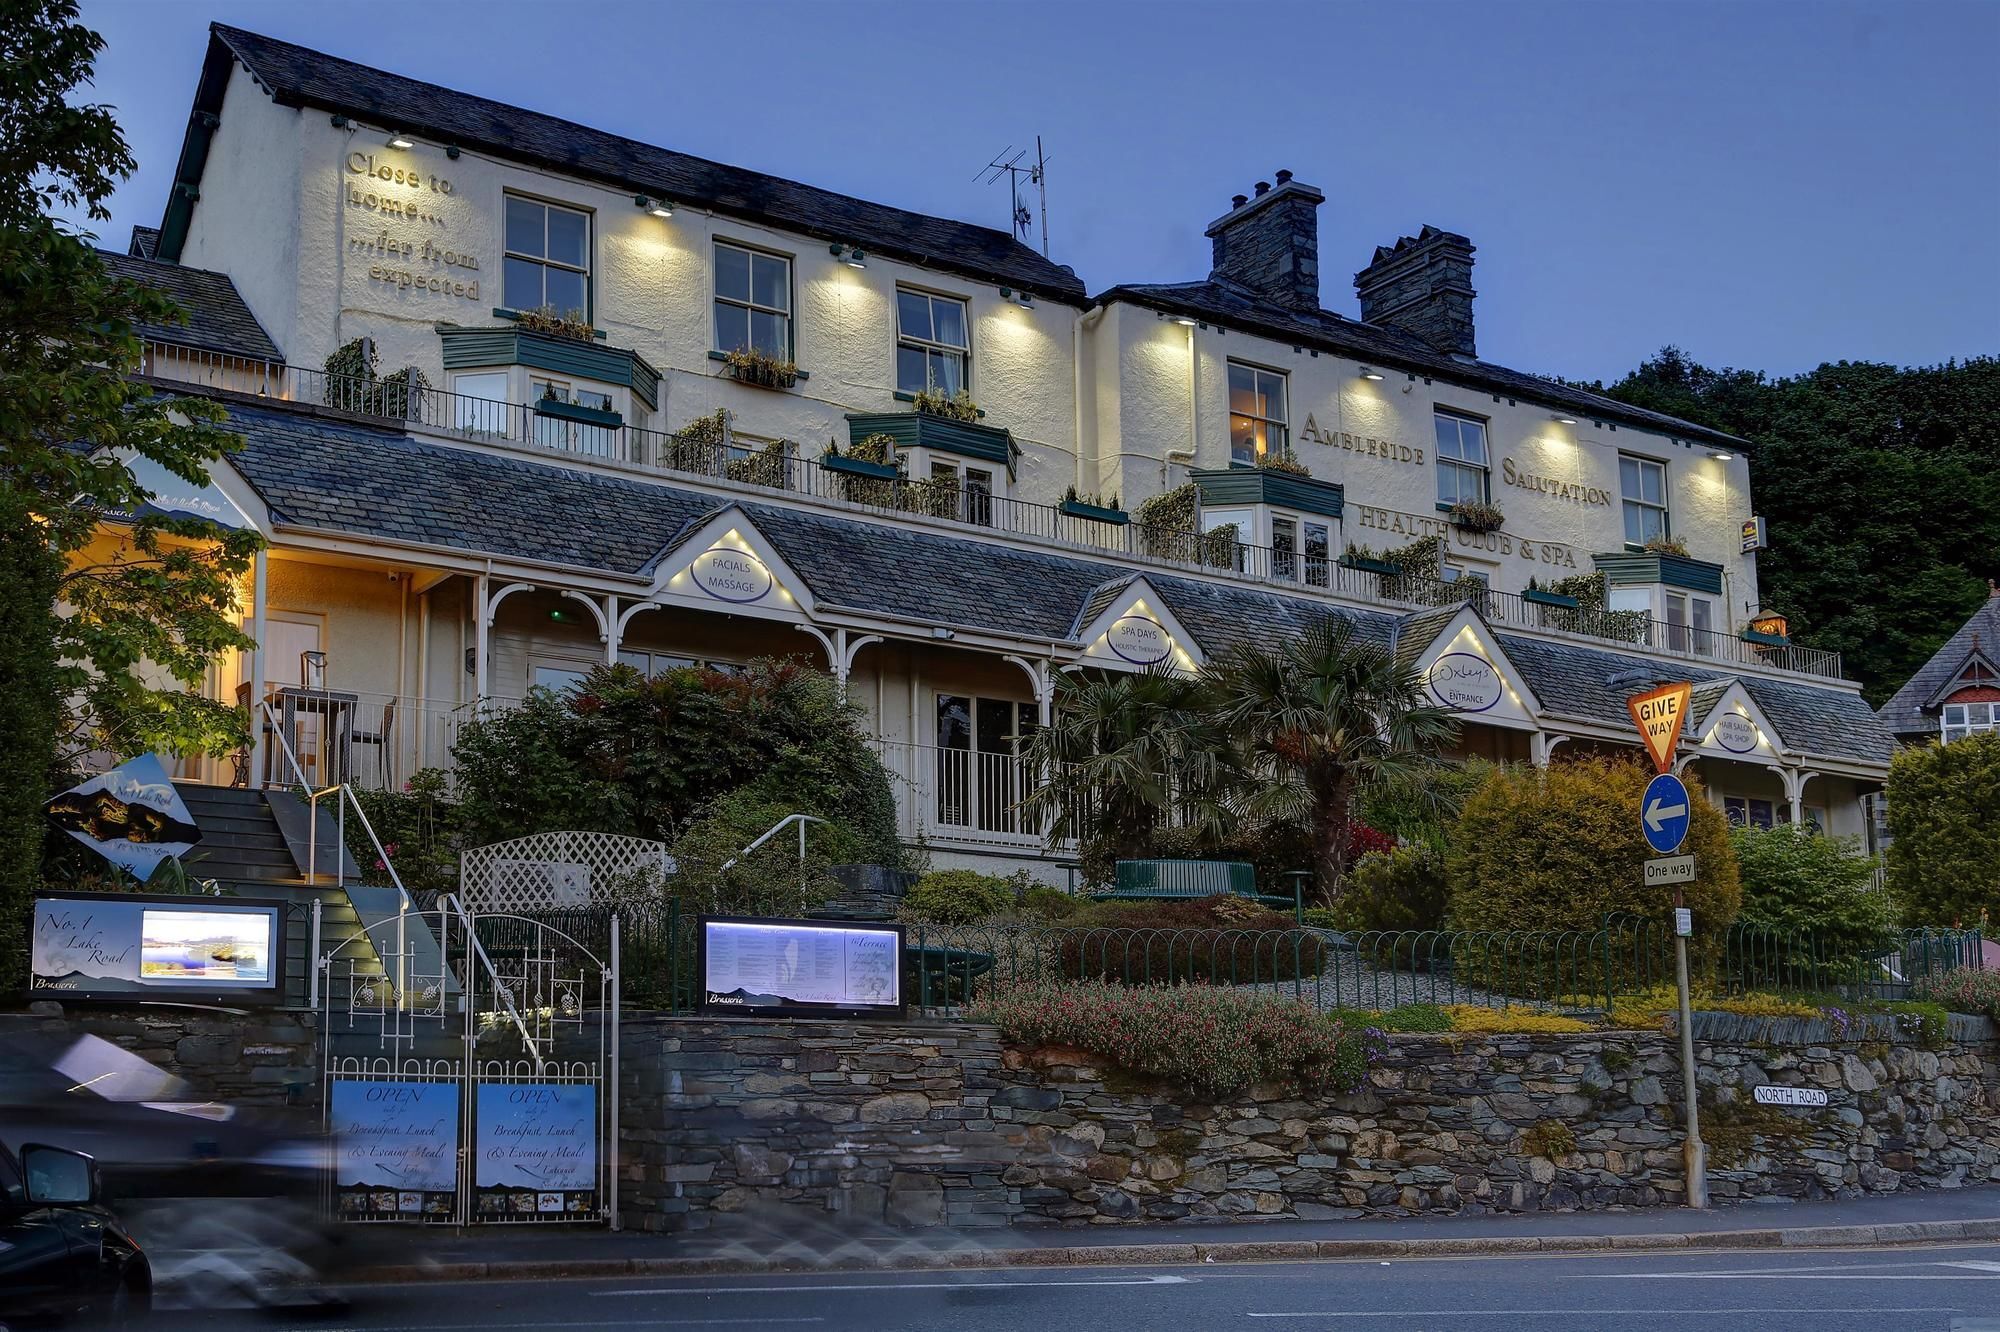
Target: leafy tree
<point x="150" y="607"/>
<point x="1798" y="882"/>
<point x="1560" y="849"/>
<point x="1858" y="467"/>
<point x="1944" y="817"/>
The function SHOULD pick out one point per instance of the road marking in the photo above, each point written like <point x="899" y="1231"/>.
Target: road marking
<point x="543" y="1324"/>
<point x="1776" y="1276"/>
<point x="1973" y="1265"/>
<point x="1591" y="1313"/>
<point x="891" y="1285"/>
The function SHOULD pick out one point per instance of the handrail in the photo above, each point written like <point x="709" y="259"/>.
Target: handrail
<point x="801" y="819"/>
<point x="449" y="903"/>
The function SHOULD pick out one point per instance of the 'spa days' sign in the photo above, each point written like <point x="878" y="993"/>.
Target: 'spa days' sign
<point x="1464" y="681"/>
<point x="536" y="1148"/>
<point x="730" y="574"/>
<point x="1139" y="639"/>
<point x="1735" y="733"/>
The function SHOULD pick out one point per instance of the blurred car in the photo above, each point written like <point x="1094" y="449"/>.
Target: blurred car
<point x="228" y="1201"/>
<point x="62" y="1252"/>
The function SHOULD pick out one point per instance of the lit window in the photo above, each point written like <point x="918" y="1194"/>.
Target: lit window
<point x="548" y="258"/>
<point x="1257" y="414"/>
<point x="1963" y="719"/>
<point x="931" y="345"/>
<point x="1461" y="459"/>
<point x="753" y="301"/>
<point x="1643" y="482"/>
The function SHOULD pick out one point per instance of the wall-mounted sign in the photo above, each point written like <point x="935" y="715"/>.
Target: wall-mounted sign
<point x="132" y="816"/>
<point x="1777" y="626"/>
<point x="778" y="967"/>
<point x="120" y="945"/>
<point x="1391" y="522"/>
<point x="1464" y="681"/>
<point x="404" y="232"/>
<point x="1554" y="487"/>
<point x="535" y="1148"/>
<point x="729" y="573"/>
<point x="395" y="1147"/>
<point x="1735" y="733"/>
<point x="1754" y="536"/>
<point x="1388" y="450"/>
<point x="1139" y="639"/>
<point x="1811" y="1096"/>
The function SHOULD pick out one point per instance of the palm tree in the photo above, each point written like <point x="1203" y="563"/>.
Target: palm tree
<point x="1122" y="752"/>
<point x="1313" y="721"/>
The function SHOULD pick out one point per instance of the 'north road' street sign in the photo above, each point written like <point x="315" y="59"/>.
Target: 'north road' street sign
<point x="1673" y="869"/>
<point x="1663" y="813"/>
<point x="1789" y="1096"/>
<point x="1659" y="715"/>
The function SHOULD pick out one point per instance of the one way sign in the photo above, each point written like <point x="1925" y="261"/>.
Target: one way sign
<point x="1663" y="813"/>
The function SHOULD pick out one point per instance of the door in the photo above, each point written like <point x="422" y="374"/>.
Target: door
<point x="980" y="780"/>
<point x="288" y="636"/>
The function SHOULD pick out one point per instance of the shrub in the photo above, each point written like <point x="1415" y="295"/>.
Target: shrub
<point x="770" y="880"/>
<point x="1221" y="938"/>
<point x="1423" y="805"/>
<point x="1472" y="1017"/>
<point x="1212" y="1041"/>
<point x="960" y="896"/>
<point x="1811" y="898"/>
<point x="1962" y="989"/>
<point x="1041" y="902"/>
<point x="1407" y="1018"/>
<point x="1402" y="889"/>
<point x="1944" y="864"/>
<point x="1647" y="1009"/>
<point x="1559" y="849"/>
<point x="418" y="827"/>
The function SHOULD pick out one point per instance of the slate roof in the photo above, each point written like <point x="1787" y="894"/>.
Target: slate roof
<point x="299" y="76"/>
<point x="1374" y="345"/>
<point x="1904" y="714"/>
<point x="217" y="318"/>
<point x="1592" y="684"/>
<point x="1419" y="629"/>
<point x="332" y="474"/>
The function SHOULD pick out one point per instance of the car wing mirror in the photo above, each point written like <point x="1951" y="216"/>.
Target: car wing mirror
<point x="57" y="1176"/>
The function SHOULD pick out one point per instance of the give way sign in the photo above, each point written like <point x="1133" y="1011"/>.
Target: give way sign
<point x="1659" y="714"/>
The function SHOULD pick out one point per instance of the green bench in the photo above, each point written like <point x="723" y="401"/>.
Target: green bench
<point x="1183" y="880"/>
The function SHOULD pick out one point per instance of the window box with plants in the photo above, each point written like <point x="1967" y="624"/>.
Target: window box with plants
<point x="1094" y="508"/>
<point x="872" y="457"/>
<point x="550" y="405"/>
<point x="546" y="321"/>
<point x="1476" y="516"/>
<point x="942" y="423"/>
<point x="747" y="365"/>
<point x="1542" y="596"/>
<point x="1367" y="561"/>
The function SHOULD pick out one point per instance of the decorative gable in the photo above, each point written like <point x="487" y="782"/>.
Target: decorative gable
<point x="1464" y="668"/>
<point x="726" y="564"/>
<point x="1128" y="627"/>
<point x="1728" y="724"/>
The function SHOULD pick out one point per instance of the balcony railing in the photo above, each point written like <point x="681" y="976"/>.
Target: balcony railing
<point x="777" y="467"/>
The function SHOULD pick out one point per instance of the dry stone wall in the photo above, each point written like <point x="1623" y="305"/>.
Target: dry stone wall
<point x="264" y="1057"/>
<point x="942" y="1125"/>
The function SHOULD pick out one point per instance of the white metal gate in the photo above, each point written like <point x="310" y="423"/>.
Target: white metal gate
<point x="471" y="1069"/>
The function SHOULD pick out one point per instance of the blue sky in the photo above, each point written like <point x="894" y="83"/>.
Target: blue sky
<point x="1768" y="185"/>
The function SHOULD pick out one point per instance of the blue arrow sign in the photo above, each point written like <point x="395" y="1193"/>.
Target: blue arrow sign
<point x="1663" y="813"/>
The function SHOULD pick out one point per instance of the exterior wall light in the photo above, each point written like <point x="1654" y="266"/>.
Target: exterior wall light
<point x="657" y="207"/>
<point x="1720" y="455"/>
<point x="851" y="255"/>
<point x="1020" y="298"/>
<point x="397" y="139"/>
<point x="1560" y="419"/>
<point x="1366" y="373"/>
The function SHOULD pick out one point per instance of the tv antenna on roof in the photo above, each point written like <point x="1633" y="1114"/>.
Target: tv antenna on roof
<point x="1037" y="173"/>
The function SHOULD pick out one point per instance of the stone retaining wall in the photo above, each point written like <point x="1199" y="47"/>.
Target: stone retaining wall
<point x="940" y="1125"/>
<point x="265" y="1057"/>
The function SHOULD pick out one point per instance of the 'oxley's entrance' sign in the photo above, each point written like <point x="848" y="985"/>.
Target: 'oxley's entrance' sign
<point x="1465" y="682"/>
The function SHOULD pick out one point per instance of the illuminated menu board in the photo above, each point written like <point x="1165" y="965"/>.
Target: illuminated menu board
<point x="778" y="967"/>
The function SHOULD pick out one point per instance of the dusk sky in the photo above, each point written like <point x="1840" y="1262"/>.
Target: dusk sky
<point x="1768" y="185"/>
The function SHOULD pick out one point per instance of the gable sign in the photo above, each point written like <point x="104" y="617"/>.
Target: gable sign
<point x="1734" y="732"/>
<point x="1139" y="639"/>
<point x="1734" y="727"/>
<point x="1659" y="714"/>
<point x="1464" y="681"/>
<point x="726" y="565"/>
<point x="1137" y="632"/>
<point x="732" y="573"/>
<point x="1464" y="668"/>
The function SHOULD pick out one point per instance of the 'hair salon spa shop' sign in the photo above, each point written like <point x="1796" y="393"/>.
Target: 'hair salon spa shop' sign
<point x="778" y="968"/>
<point x="127" y="946"/>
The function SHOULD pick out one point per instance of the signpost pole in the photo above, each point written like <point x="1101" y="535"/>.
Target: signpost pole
<point x="1694" y="1156"/>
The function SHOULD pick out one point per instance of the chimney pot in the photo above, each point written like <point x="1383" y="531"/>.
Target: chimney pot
<point x="1238" y="200"/>
<point x="1284" y="176"/>
<point x="1263" y="188"/>
<point x="1270" y="244"/>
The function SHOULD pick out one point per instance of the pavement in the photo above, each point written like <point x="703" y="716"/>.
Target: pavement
<point x="1953" y="1288"/>
<point x="791" y="1240"/>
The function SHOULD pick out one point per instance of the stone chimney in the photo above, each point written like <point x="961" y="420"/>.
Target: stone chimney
<point x="1269" y="242"/>
<point x="1422" y="285"/>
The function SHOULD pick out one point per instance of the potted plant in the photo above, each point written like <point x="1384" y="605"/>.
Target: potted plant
<point x="1282" y="462"/>
<point x="1476" y="516"/>
<point x="1094" y="508"/>
<point x="1542" y="596"/>
<point x="1667" y="545"/>
<point x="957" y="406"/>
<point x="1367" y="561"/>
<point x="544" y="319"/>
<point x="872" y="457"/>
<point x="748" y="365"/>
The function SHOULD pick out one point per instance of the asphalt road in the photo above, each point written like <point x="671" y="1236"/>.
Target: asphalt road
<point x="1935" y="1289"/>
